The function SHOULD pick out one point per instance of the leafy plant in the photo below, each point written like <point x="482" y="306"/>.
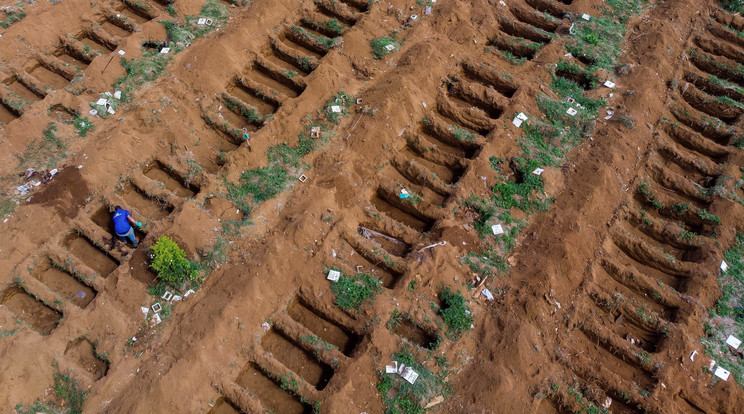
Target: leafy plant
<point x="170" y="263"/>
<point x="456" y="315"/>
<point x="83" y="125"/>
<point x="352" y="291"/>
<point x="381" y="46"/>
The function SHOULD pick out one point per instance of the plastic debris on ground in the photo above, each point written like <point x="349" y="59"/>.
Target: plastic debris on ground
<point x="724" y="265"/>
<point x="404" y="194"/>
<point x="609" y="114"/>
<point x="487" y="293"/>
<point x="722" y="373"/>
<point x="497" y="229"/>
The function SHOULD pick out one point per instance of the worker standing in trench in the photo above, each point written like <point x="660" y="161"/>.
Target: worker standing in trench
<point x="123" y="226"/>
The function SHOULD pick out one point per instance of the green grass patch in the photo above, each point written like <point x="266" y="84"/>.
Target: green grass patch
<point x="14" y="14"/>
<point x="401" y="397"/>
<point x="727" y="317"/>
<point x="383" y="46"/>
<point x="44" y="152"/>
<point x="83" y="125"/>
<point x="455" y="313"/>
<point x="69" y="398"/>
<point x="352" y="291"/>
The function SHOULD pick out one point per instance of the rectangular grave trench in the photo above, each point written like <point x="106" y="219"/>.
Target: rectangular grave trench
<point x="412" y="332"/>
<point x="369" y="264"/>
<point x="328" y="330"/>
<point x="630" y="371"/>
<point x="104" y="218"/>
<point x="63" y="114"/>
<point x="8" y="114"/>
<point x="82" y="353"/>
<point x="224" y="406"/>
<point x="132" y="12"/>
<point x="395" y="209"/>
<point x="90" y="254"/>
<point x="251" y="97"/>
<point x="27" y="308"/>
<point x="137" y="200"/>
<point x="390" y="244"/>
<point x="94" y="44"/>
<point x="297" y="359"/>
<point x="275" y="81"/>
<point x="67" y="56"/>
<point x="64" y="283"/>
<point x="172" y="181"/>
<point x="269" y="393"/>
<point x="113" y="28"/>
<point x="48" y="77"/>
<point x="21" y="90"/>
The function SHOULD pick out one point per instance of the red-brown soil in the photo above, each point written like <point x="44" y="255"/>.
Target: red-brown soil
<point x="565" y="317"/>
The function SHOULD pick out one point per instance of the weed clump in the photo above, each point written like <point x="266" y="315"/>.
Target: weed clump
<point x="170" y="263"/>
<point x="456" y="315"/>
<point x="401" y="397"/>
<point x="383" y="46"/>
<point x="70" y="398"/>
<point x="83" y="125"/>
<point x="352" y="291"/>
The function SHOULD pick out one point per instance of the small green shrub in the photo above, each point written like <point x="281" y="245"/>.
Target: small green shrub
<point x="456" y="315"/>
<point x="68" y="390"/>
<point x="170" y="263"/>
<point x="352" y="291"/>
<point x="83" y="125"/>
<point x="380" y="46"/>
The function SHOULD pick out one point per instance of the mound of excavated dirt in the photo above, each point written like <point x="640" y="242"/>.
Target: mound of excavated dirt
<point x="276" y="141"/>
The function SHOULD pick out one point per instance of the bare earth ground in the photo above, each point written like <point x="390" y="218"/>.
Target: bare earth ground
<point x="601" y="302"/>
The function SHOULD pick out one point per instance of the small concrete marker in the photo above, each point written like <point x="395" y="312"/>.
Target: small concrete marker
<point x="117" y="94"/>
<point x="390" y="47"/>
<point x="538" y="171"/>
<point x="724" y="265"/>
<point x="188" y="292"/>
<point x="145" y="310"/>
<point x="570" y="100"/>
<point x="176" y="298"/>
<point x="156" y="307"/>
<point x="102" y="102"/>
<point x="609" y="84"/>
<point x="335" y="108"/>
<point x="519" y="119"/>
<point x="315" y="132"/>
<point x="121" y="52"/>
<point x="167" y="295"/>
<point x="722" y="373"/>
<point x="201" y="21"/>
<point x="586" y="17"/>
<point x="164" y="50"/>
<point x="733" y="341"/>
<point x="155" y="319"/>
<point x="359" y="268"/>
<point x="692" y="355"/>
<point x="487" y="293"/>
<point x="712" y="364"/>
<point x="409" y="375"/>
<point x="497" y="229"/>
<point x="302" y="178"/>
<point x="572" y="111"/>
<point x="392" y="369"/>
<point x="93" y="112"/>
<point x="414" y="17"/>
<point x="609" y="114"/>
<point x="333" y="275"/>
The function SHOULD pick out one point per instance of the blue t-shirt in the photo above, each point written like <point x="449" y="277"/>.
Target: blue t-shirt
<point x="121" y="224"/>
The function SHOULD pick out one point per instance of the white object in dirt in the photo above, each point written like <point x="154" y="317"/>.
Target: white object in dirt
<point x="117" y="94"/>
<point x="570" y="100"/>
<point x="121" y="52"/>
<point x="435" y="401"/>
<point x="176" y="298"/>
<point x="409" y="375"/>
<point x="609" y="114"/>
<point x="265" y="326"/>
<point x="145" y="309"/>
<point x="392" y="369"/>
<point x="609" y="84"/>
<point x="724" y="265"/>
<point x="414" y="17"/>
<point x="155" y="319"/>
<point x="165" y="50"/>
<point x="722" y="373"/>
<point x="110" y="110"/>
<point x="586" y="17"/>
<point x="335" y="108"/>
<point x="156" y="307"/>
<point x="93" y="112"/>
<point x="497" y="229"/>
<point x="538" y="171"/>
<point x="712" y="364"/>
<point x="167" y="295"/>
<point x="733" y="341"/>
<point x="572" y="111"/>
<point x="487" y="293"/>
<point x="607" y="403"/>
<point x="692" y="355"/>
<point x="102" y="102"/>
<point x="23" y="189"/>
<point x="302" y="178"/>
<point x="427" y="10"/>
<point x="359" y="101"/>
<point x="359" y="268"/>
<point x="568" y="55"/>
<point x="333" y="275"/>
<point x="390" y="47"/>
<point x="201" y="21"/>
<point x="519" y="119"/>
<point x="315" y="132"/>
<point x="53" y="172"/>
<point x="188" y="292"/>
<point x="209" y="22"/>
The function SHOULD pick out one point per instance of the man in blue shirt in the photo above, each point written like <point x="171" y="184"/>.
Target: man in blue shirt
<point x="123" y="225"/>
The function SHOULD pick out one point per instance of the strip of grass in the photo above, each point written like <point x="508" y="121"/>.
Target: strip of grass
<point x="401" y="397"/>
<point x="352" y="291"/>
